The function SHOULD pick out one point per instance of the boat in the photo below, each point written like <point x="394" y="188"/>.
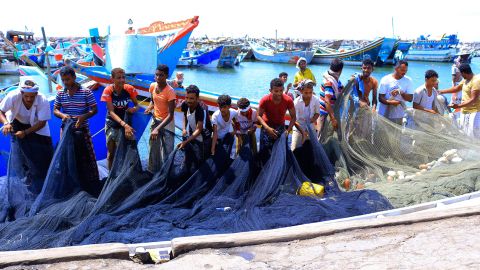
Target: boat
<point x="172" y="38"/>
<point x="8" y="67"/>
<point x="96" y="123"/>
<point x="223" y="56"/>
<point x="350" y="57"/>
<point x="290" y="54"/>
<point x="399" y="51"/>
<point x="444" y="49"/>
<point x="388" y="48"/>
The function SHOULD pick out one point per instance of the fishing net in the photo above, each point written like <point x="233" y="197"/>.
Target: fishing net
<point x="186" y="197"/>
<point x="424" y="159"/>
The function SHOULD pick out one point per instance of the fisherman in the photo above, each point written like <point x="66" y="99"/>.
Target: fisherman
<point x="271" y="115"/>
<point x="425" y="96"/>
<point x="470" y="105"/>
<point x="304" y="73"/>
<point x="197" y="127"/>
<point x="117" y="97"/>
<point x="284" y="77"/>
<point x="79" y="104"/>
<point x="178" y="81"/>
<point x="307" y="108"/>
<point x="331" y="89"/>
<point x="162" y="103"/>
<point x="366" y="84"/>
<point x="456" y="79"/>
<point x="24" y="114"/>
<point x="222" y="120"/>
<point x="246" y="125"/>
<point x="395" y="89"/>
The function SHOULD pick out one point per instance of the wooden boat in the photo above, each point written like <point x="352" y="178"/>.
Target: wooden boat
<point x="351" y="57"/>
<point x="444" y="49"/>
<point x="223" y="56"/>
<point x="269" y="53"/>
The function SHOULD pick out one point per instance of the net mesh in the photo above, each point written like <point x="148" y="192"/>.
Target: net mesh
<point x="424" y="159"/>
<point x="186" y="197"/>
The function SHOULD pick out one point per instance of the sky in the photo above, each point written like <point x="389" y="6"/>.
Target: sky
<point x="308" y="19"/>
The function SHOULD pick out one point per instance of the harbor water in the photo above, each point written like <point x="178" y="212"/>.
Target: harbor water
<point x="251" y="79"/>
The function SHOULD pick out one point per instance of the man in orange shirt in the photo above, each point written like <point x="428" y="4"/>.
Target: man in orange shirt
<point x="117" y="96"/>
<point x="163" y="126"/>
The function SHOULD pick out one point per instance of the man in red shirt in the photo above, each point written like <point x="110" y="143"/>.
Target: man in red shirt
<point x="271" y="115"/>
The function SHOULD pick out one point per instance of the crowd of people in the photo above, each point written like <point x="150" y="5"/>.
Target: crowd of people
<point x="25" y="112"/>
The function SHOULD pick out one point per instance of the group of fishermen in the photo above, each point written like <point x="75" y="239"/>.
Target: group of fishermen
<point x="25" y="112"/>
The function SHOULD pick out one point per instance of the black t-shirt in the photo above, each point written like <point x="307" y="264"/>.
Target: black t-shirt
<point x="120" y="105"/>
<point x="200" y="113"/>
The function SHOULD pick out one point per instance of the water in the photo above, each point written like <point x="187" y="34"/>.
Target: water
<point x="252" y="79"/>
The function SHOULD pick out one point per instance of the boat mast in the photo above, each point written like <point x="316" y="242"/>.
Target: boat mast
<point x="393" y="28"/>
<point x="276" y="40"/>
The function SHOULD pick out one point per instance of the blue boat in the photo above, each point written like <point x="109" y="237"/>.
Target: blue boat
<point x="223" y="56"/>
<point x="97" y="123"/>
<point x="268" y="53"/>
<point x="400" y="50"/>
<point x="445" y="49"/>
<point x="351" y="57"/>
<point x="386" y="50"/>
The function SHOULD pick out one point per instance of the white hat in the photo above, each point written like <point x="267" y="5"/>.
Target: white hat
<point x="299" y="60"/>
<point x="28" y="86"/>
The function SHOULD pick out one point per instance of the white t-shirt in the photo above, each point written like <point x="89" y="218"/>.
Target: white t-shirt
<point x="24" y="114"/>
<point x="223" y="127"/>
<point x="305" y="113"/>
<point x="421" y="97"/>
<point x="387" y="85"/>
<point x="246" y="123"/>
<point x="40" y="111"/>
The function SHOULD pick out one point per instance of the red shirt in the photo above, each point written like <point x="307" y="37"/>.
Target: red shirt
<point x="274" y="114"/>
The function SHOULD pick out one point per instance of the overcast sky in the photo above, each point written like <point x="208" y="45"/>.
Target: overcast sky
<point x="348" y="19"/>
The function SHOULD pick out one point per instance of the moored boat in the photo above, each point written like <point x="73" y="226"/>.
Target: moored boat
<point x="271" y="54"/>
<point x="351" y="57"/>
<point x="444" y="49"/>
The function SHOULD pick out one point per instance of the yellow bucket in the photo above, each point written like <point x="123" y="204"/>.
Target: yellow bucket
<point x="311" y="189"/>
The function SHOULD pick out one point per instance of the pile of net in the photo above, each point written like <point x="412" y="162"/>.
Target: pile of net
<point x="427" y="158"/>
<point x="186" y="197"/>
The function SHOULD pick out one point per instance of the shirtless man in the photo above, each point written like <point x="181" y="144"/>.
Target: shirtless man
<point x="366" y="84"/>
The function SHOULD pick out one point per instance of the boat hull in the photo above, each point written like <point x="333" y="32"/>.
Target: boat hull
<point x="96" y="123"/>
<point x="353" y="57"/>
<point x="446" y="55"/>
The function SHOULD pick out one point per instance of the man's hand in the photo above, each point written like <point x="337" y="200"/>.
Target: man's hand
<point x="182" y="145"/>
<point x="129" y="131"/>
<point x="154" y="134"/>
<point x="394" y="102"/>
<point x="272" y="133"/>
<point x="395" y="92"/>
<point x="334" y="123"/>
<point x="184" y="132"/>
<point x="304" y="136"/>
<point x="148" y="110"/>
<point x="20" y="134"/>
<point x="453" y="106"/>
<point x="252" y="130"/>
<point x="7" y="129"/>
<point x="80" y="121"/>
<point x="364" y="104"/>
<point x="65" y="117"/>
<point x="132" y="110"/>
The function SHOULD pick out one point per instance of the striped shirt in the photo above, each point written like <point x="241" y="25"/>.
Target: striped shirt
<point x="327" y="89"/>
<point x="75" y="105"/>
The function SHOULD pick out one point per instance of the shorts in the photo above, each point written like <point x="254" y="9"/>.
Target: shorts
<point x="113" y="134"/>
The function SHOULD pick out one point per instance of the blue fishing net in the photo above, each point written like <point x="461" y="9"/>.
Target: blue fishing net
<point x="188" y="196"/>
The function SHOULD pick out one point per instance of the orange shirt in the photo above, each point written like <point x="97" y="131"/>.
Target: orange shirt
<point x="160" y="100"/>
